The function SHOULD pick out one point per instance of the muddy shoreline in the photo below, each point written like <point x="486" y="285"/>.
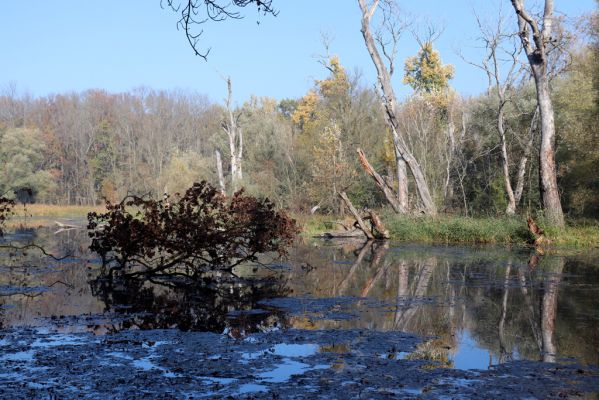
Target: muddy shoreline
<point x="296" y="364"/>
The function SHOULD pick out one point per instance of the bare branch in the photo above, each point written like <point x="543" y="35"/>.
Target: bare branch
<point x="198" y="12"/>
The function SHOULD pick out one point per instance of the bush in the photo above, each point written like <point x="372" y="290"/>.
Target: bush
<point x="198" y="232"/>
<point x="6" y="206"/>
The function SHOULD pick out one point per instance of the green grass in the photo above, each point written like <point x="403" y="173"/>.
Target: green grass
<point x="452" y="229"/>
<point x="457" y="229"/>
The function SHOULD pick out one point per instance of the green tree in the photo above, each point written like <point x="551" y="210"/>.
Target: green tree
<point x="22" y="158"/>
<point x="577" y="112"/>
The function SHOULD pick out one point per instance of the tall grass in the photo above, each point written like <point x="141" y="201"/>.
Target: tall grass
<point x="457" y="229"/>
<point x="53" y="211"/>
<point x="452" y="229"/>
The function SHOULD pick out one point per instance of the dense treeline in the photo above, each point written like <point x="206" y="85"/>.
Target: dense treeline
<point x="79" y="148"/>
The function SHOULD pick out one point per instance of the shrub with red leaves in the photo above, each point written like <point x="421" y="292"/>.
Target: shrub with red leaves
<point x="6" y="206"/>
<point x="188" y="235"/>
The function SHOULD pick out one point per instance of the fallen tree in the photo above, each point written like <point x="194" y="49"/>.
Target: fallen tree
<point x="359" y="228"/>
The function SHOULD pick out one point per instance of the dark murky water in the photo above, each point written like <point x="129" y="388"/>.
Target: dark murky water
<point x="463" y="308"/>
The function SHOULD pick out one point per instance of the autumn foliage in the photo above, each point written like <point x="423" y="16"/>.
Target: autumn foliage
<point x="6" y="206"/>
<point x="188" y="235"/>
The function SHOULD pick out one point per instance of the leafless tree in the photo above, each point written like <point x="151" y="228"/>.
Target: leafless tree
<point x="504" y="69"/>
<point x="537" y="42"/>
<point x="235" y="135"/>
<point x="404" y="154"/>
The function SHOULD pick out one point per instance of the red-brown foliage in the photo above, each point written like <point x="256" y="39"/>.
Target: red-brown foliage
<point x="190" y="234"/>
<point x="6" y="206"/>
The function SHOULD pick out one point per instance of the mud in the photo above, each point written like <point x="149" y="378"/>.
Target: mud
<point x="295" y="364"/>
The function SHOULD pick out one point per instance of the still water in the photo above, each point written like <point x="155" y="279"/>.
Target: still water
<point x="476" y="307"/>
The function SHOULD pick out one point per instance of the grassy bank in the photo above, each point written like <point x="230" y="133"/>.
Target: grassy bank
<point x="455" y="229"/>
<point x="38" y="215"/>
<point x="441" y="229"/>
<point x="55" y="211"/>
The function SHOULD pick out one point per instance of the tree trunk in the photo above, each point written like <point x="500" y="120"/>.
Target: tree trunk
<point x="235" y="140"/>
<point x="525" y="156"/>
<point x="535" y="46"/>
<point x="380" y="182"/>
<point x="389" y="100"/>
<point x="221" y="177"/>
<point x="356" y="215"/>
<point x="549" y="191"/>
<point x="402" y="180"/>
<point x="511" y="204"/>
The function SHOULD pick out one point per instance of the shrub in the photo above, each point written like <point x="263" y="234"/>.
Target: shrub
<point x="188" y="235"/>
<point x="6" y="206"/>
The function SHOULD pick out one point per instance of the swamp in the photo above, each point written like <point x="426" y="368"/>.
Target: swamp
<point x="336" y="319"/>
<point x="268" y="199"/>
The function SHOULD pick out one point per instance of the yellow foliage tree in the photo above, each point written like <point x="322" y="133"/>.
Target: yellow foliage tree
<point x="425" y="72"/>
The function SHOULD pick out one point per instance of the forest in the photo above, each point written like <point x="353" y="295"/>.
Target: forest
<point x="478" y="155"/>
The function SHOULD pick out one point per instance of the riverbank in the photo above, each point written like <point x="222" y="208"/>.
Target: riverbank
<point x="457" y="229"/>
<point x="440" y="229"/>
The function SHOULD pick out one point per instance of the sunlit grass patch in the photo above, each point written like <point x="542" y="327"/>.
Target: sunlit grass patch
<point x="52" y="210"/>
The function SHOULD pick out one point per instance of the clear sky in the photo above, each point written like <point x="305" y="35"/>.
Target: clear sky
<point x="73" y="45"/>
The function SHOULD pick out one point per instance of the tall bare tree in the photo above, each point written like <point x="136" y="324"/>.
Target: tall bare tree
<point x="503" y="68"/>
<point x="537" y="41"/>
<point x="384" y="72"/>
<point x="231" y="127"/>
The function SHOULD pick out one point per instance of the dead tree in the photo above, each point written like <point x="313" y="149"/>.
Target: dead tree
<point x="537" y="42"/>
<point x="384" y="73"/>
<point x="219" y="169"/>
<point x="395" y="203"/>
<point x="235" y="134"/>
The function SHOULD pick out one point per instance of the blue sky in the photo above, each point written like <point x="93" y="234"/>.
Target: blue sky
<point x="67" y="45"/>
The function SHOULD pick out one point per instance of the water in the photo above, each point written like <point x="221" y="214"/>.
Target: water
<point x="475" y="307"/>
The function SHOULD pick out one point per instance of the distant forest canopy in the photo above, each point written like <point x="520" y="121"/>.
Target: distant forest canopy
<point x="79" y="148"/>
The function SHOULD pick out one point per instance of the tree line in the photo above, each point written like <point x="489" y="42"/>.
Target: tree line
<point x="476" y="155"/>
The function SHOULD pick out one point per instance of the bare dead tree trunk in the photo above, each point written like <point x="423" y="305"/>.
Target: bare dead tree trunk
<point x="231" y="127"/>
<point x="536" y="51"/>
<point x="219" y="169"/>
<point x="511" y="204"/>
<point x="356" y="215"/>
<point x="381" y="183"/>
<point x="527" y="150"/>
<point x="389" y="100"/>
<point x="402" y="181"/>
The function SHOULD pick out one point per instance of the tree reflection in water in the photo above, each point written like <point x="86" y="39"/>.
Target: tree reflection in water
<point x="211" y="305"/>
<point x="509" y="305"/>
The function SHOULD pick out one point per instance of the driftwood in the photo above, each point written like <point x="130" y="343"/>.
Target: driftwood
<point x="65" y="227"/>
<point x="538" y="233"/>
<point x="378" y="227"/>
<point x="359" y="220"/>
<point x="360" y="228"/>
<point x="381" y="183"/>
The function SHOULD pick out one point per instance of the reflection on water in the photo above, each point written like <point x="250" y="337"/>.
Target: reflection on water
<point x="478" y="306"/>
<point x="210" y="306"/>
